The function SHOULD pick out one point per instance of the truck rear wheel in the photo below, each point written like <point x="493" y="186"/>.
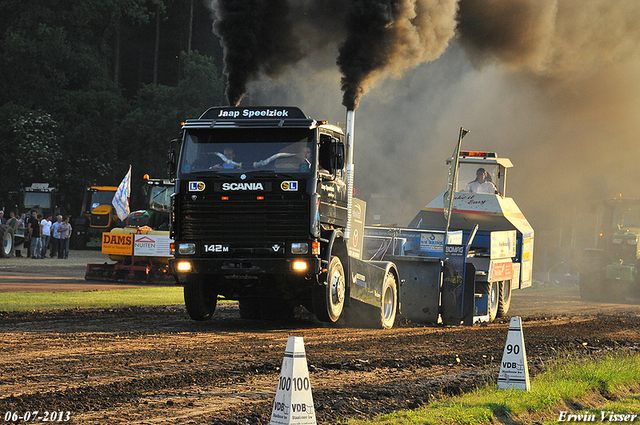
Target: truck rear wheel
<point x="6" y="238"/>
<point x="328" y="300"/>
<point x="389" y="305"/>
<point x="504" y="301"/>
<point x="199" y="299"/>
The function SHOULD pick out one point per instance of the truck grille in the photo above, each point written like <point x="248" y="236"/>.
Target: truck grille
<point x="245" y="222"/>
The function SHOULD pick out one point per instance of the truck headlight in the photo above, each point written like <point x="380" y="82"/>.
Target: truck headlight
<point x="299" y="248"/>
<point x="187" y="248"/>
<point x="183" y="266"/>
<point x="299" y="266"/>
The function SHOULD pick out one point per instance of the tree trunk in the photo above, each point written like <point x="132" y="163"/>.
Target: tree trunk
<point x="156" y="55"/>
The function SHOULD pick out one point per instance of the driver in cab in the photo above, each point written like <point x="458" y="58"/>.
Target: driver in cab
<point x="229" y="156"/>
<point x="482" y="183"/>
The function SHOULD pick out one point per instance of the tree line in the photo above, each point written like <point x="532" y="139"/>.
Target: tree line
<point x="91" y="86"/>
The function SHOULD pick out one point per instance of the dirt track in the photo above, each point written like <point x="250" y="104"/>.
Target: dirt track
<point x="156" y="366"/>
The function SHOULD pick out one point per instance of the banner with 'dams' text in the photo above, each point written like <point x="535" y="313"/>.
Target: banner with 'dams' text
<point x="117" y="243"/>
<point x="136" y="244"/>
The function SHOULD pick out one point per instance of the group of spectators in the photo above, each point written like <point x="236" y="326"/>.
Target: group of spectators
<point x="41" y="234"/>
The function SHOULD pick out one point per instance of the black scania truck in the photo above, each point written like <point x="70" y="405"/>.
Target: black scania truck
<point x="263" y="214"/>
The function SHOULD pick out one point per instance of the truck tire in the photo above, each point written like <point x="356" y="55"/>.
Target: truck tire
<point x="328" y="300"/>
<point x="389" y="304"/>
<point x="494" y="297"/>
<point x="199" y="299"/>
<point x="383" y="316"/>
<point x="504" y="301"/>
<point x="277" y="310"/>
<point x="6" y="238"/>
<point x="249" y="308"/>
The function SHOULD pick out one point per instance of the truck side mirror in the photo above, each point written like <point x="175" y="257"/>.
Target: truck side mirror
<point x="331" y="154"/>
<point x="172" y="159"/>
<point x="337" y="155"/>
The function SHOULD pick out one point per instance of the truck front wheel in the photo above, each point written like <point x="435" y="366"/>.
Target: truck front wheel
<point x="199" y="299"/>
<point x="328" y="299"/>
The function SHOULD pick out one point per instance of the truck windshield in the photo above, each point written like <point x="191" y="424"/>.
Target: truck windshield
<point x="477" y="178"/>
<point x="244" y="150"/>
<point x="160" y="198"/>
<point x="627" y="216"/>
<point x="37" y="199"/>
<point x="100" y="197"/>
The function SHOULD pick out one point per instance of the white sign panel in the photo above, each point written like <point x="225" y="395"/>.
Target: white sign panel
<point x="503" y="244"/>
<point x="152" y="245"/>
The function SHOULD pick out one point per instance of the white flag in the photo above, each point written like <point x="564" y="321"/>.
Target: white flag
<point x="121" y="198"/>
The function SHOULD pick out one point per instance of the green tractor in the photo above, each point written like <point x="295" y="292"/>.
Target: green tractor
<point x="610" y="271"/>
<point x="157" y="203"/>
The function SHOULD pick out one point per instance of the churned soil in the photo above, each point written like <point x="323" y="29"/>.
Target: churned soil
<point x="154" y="365"/>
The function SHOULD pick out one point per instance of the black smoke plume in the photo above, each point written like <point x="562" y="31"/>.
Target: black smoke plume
<point x="376" y="38"/>
<point x="257" y="38"/>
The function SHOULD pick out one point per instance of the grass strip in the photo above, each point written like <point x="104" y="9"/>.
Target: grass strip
<point x="28" y="301"/>
<point x="598" y="385"/>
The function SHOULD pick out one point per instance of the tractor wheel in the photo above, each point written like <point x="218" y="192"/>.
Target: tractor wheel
<point x="6" y="238"/>
<point x="199" y="299"/>
<point x="494" y="297"/>
<point x="328" y="299"/>
<point x="504" y="301"/>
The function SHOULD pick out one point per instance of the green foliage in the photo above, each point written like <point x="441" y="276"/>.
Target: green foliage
<point x="65" y="120"/>
<point x="38" y="150"/>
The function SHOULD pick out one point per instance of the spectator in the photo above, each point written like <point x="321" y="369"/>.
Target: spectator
<point x="22" y="228"/>
<point x="55" y="236"/>
<point x="2" y="219"/>
<point x="45" y="226"/>
<point x="65" y="233"/>
<point x="33" y="225"/>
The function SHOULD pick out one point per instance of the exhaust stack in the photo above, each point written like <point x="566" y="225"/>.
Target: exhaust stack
<point x="351" y="116"/>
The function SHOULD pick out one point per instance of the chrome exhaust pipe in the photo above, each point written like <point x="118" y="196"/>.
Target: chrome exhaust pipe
<point x="351" y="116"/>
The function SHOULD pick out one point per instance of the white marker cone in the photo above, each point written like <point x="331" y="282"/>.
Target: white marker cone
<point x="514" y="372"/>
<point x="294" y="403"/>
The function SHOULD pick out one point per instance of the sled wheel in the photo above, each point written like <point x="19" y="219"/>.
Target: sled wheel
<point x="328" y="300"/>
<point x="199" y="299"/>
<point x="504" y="301"/>
<point x="494" y="297"/>
<point x="6" y="238"/>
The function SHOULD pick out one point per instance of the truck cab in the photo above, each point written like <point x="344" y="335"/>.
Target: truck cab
<point x="259" y="209"/>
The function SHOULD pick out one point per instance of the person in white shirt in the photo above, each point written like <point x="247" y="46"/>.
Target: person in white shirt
<point x="45" y="228"/>
<point x="482" y="183"/>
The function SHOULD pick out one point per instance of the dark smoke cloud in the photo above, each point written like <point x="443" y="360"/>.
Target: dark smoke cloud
<point x="377" y="38"/>
<point x="387" y="37"/>
<point x="257" y="38"/>
<point x="561" y="40"/>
